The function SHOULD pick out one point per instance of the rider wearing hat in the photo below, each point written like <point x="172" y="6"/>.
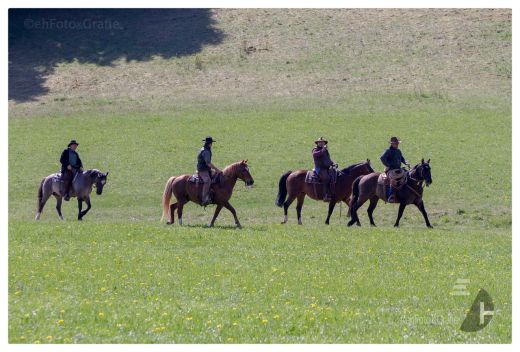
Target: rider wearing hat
<point x="322" y="164"/>
<point x="204" y="167"/>
<point x="392" y="159"/>
<point x="70" y="164"/>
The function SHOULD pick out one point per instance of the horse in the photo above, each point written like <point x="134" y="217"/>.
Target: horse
<point x="81" y="189"/>
<point x="293" y="186"/>
<point x="185" y="191"/>
<point x="366" y="188"/>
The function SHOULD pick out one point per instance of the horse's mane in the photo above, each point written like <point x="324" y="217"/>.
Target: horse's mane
<point x="231" y="167"/>
<point x="349" y="168"/>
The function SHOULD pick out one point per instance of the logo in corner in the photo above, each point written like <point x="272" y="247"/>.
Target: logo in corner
<point x="480" y="313"/>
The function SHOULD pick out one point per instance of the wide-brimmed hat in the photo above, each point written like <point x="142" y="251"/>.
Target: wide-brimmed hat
<point x="321" y="139"/>
<point x="208" y="140"/>
<point x="394" y="140"/>
<point x="73" y="142"/>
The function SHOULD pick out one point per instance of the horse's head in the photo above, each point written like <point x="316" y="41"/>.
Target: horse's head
<point x="362" y="168"/>
<point x="367" y="167"/>
<point x="100" y="179"/>
<point x="243" y="173"/>
<point x="422" y="172"/>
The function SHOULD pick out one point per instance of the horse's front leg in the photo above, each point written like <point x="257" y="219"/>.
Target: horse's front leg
<point x="332" y="204"/>
<point x="217" y="211"/>
<point x="232" y="210"/>
<point x="80" y="206"/>
<point x="402" y="205"/>
<point x="58" y="206"/>
<point x="420" y="205"/>
<point x="84" y="212"/>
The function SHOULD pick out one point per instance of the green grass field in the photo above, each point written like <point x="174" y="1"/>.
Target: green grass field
<point x="121" y="276"/>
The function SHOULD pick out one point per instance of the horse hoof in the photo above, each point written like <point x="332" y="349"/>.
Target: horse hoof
<point x="430" y="226"/>
<point x="169" y="223"/>
<point x="373" y="225"/>
<point x="239" y="226"/>
<point x="61" y="217"/>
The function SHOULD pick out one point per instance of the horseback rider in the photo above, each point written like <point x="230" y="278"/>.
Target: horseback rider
<point x="70" y="165"/>
<point x="204" y="167"/>
<point x="392" y="159"/>
<point x="322" y="165"/>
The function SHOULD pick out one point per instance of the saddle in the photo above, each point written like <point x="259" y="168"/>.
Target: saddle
<point x="313" y="177"/>
<point x="57" y="177"/>
<point x="394" y="178"/>
<point x="215" y="179"/>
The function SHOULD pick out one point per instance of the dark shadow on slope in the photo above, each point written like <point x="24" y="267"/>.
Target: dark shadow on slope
<point x="40" y="39"/>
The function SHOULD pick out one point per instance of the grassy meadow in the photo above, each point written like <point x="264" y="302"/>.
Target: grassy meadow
<point x="121" y="276"/>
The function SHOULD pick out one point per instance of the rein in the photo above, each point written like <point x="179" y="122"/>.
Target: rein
<point x="417" y="181"/>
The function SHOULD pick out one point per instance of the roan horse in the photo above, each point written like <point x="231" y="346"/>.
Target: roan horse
<point x="293" y="186"/>
<point x="185" y="191"/>
<point x="81" y="188"/>
<point x="366" y="188"/>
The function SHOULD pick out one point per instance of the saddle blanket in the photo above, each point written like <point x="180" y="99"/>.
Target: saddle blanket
<point x="196" y="179"/>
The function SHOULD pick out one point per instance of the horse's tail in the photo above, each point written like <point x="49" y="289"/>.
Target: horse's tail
<point x="355" y="193"/>
<point x="167" y="195"/>
<point x="40" y="194"/>
<point x="282" y="189"/>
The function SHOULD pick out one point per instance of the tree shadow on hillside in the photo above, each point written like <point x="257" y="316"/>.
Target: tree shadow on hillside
<point x="41" y="39"/>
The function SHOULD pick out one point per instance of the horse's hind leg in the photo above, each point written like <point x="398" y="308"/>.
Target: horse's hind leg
<point x="172" y="213"/>
<point x="299" y="206"/>
<point x="371" y="207"/>
<point x="41" y="204"/>
<point x="286" y="206"/>
<point x="58" y="206"/>
<point x="353" y="212"/>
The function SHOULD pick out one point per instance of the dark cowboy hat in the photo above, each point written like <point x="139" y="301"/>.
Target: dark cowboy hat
<point x="208" y="140"/>
<point x="321" y="139"/>
<point x="394" y="140"/>
<point x="73" y="142"/>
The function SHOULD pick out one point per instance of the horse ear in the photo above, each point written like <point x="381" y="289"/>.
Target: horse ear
<point x="368" y="160"/>
<point x="106" y="174"/>
<point x="422" y="161"/>
<point x="428" y="161"/>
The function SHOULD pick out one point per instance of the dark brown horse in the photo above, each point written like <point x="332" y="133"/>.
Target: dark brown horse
<point x="185" y="191"/>
<point x="293" y="186"/>
<point x="366" y="188"/>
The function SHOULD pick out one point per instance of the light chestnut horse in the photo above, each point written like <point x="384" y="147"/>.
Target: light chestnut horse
<point x="81" y="189"/>
<point x="185" y="191"/>
<point x="292" y="186"/>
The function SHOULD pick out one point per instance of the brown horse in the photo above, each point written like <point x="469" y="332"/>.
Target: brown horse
<point x="366" y="188"/>
<point x="185" y="191"/>
<point x="292" y="183"/>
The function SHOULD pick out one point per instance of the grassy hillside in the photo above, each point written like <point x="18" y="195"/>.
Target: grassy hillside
<point x="264" y="83"/>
